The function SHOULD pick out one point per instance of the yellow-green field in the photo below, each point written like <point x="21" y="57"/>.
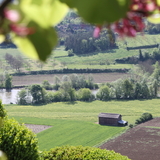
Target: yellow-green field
<point x="75" y="123"/>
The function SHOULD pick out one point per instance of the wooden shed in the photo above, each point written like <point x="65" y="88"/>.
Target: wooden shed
<point x="109" y="119"/>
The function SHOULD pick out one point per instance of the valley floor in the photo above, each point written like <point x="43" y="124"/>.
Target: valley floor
<point x="139" y="143"/>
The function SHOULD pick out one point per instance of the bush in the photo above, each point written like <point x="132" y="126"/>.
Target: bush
<point x="17" y="141"/>
<point x="46" y="85"/>
<point x="57" y="96"/>
<point x="81" y="153"/>
<point x="104" y="93"/>
<point x="3" y="112"/>
<point x="22" y="97"/>
<point x="70" y="53"/>
<point x="144" y="117"/>
<point x="85" y="94"/>
<point x="131" y="126"/>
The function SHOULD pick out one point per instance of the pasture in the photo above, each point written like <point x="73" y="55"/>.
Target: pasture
<point x="75" y="123"/>
<point x="59" y="58"/>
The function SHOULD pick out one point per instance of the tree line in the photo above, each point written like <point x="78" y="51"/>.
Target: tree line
<point x="73" y="88"/>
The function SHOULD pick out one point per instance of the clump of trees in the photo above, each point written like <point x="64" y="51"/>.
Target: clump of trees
<point x="83" y="43"/>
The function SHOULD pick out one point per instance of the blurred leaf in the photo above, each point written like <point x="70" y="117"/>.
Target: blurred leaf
<point x="46" y="13"/>
<point x="154" y="18"/>
<point x="158" y="2"/>
<point x="2" y="38"/>
<point x="38" y="45"/>
<point x="100" y="11"/>
<point x="3" y="156"/>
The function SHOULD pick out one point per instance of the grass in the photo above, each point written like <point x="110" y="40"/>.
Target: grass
<point x="59" y="58"/>
<point x="74" y="123"/>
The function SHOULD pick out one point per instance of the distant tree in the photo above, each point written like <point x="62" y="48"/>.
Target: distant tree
<point x="128" y="89"/>
<point x="8" y="82"/>
<point x="74" y="81"/>
<point x="46" y="85"/>
<point x="65" y="78"/>
<point x="2" y="80"/>
<point x="137" y="91"/>
<point x="103" y="93"/>
<point x="156" y="72"/>
<point x="15" y="62"/>
<point x="57" y="96"/>
<point x="90" y="82"/>
<point x="141" y="58"/>
<point x="57" y="82"/>
<point x="22" y="97"/>
<point x="85" y="94"/>
<point x="37" y="93"/>
<point x="68" y="93"/>
<point x="155" y="88"/>
<point x="118" y="89"/>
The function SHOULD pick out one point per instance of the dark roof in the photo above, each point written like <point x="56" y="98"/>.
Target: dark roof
<point x="109" y="115"/>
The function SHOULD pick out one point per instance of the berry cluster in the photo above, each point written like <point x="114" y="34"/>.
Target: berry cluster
<point x="134" y="20"/>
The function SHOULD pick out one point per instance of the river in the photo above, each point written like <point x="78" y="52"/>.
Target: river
<point x="11" y="97"/>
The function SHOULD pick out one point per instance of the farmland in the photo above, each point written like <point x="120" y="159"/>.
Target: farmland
<point x="75" y="123"/>
<point x="139" y="143"/>
<point x="38" y="79"/>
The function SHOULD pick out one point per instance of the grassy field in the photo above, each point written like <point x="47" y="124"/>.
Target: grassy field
<point x="99" y="60"/>
<point x="75" y="123"/>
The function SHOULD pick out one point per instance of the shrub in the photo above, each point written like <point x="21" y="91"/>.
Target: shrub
<point x="104" y="93"/>
<point x="46" y="85"/>
<point x="70" y="53"/>
<point x="144" y="117"/>
<point x="22" y="97"/>
<point x="131" y="126"/>
<point x="57" y="96"/>
<point x="3" y="112"/>
<point x="81" y="153"/>
<point x="17" y="141"/>
<point x="85" y="94"/>
<point x="56" y="86"/>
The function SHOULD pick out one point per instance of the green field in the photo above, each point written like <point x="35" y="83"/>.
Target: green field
<point x="74" y="123"/>
<point x="98" y="60"/>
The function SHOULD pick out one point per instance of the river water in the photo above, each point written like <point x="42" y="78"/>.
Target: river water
<point x="11" y="97"/>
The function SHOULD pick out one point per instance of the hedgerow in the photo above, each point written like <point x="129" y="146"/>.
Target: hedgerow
<point x="81" y="153"/>
<point x="144" y="117"/>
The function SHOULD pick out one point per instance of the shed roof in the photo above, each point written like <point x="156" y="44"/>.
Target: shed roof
<point x="109" y="115"/>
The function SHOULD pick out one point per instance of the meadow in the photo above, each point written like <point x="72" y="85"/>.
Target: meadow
<point x="76" y="123"/>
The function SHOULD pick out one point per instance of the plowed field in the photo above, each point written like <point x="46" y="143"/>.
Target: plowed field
<point x="38" y="79"/>
<point x="139" y="143"/>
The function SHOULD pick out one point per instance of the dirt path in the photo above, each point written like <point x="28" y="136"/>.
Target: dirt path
<point x="37" y="128"/>
<point x="38" y="79"/>
<point x="139" y="143"/>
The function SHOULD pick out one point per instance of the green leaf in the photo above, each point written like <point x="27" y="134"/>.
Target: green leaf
<point x="158" y="2"/>
<point x="38" y="45"/>
<point x="46" y="13"/>
<point x="154" y="18"/>
<point x="100" y="11"/>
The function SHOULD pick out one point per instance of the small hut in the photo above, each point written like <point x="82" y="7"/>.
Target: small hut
<point x="111" y="119"/>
